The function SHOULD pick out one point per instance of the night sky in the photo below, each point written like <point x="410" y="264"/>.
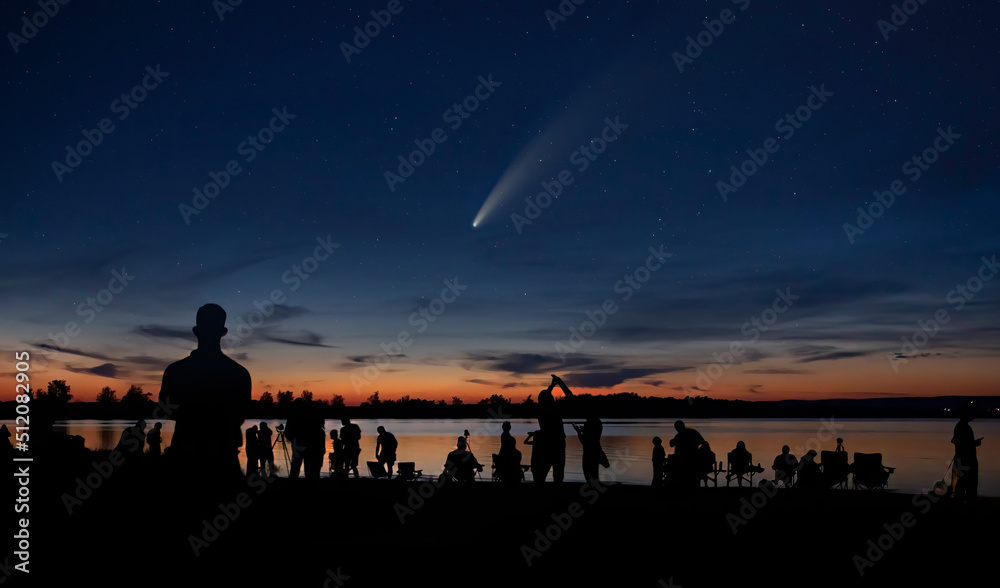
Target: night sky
<point x="261" y="161"/>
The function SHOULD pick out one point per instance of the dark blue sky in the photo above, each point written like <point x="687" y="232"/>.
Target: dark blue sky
<point x="520" y="287"/>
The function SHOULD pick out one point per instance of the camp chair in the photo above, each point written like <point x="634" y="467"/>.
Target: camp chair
<point x="869" y="471"/>
<point x="498" y="473"/>
<point x="835" y="468"/>
<point x="407" y="472"/>
<point x="376" y="469"/>
<point x="712" y="474"/>
<point x="740" y="471"/>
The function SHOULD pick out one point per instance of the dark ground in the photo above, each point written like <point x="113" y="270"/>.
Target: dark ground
<point x="136" y="529"/>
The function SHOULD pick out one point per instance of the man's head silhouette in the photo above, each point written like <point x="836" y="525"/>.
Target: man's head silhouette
<point x="210" y="324"/>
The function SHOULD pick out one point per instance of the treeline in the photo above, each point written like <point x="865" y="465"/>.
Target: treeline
<point x="55" y="403"/>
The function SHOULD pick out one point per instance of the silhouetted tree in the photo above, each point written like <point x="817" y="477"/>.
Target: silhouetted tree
<point x="306" y="396"/>
<point x="135" y="397"/>
<point x="58" y="390"/>
<point x="284" y="398"/>
<point x="266" y="398"/>
<point x="374" y="400"/>
<point x="456" y="401"/>
<point x="107" y="396"/>
<point x="337" y="401"/>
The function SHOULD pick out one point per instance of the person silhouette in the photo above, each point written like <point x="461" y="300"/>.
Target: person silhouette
<point x="593" y="455"/>
<point x="304" y="430"/>
<point x="551" y="438"/>
<point x="350" y="434"/>
<point x="337" y="455"/>
<point x="536" y="456"/>
<point x="840" y="446"/>
<point x="132" y="441"/>
<point x="210" y="394"/>
<point x="965" y="471"/>
<point x="385" y="449"/>
<point x="154" y="438"/>
<point x="659" y="462"/>
<point x="509" y="457"/>
<point x="252" y="447"/>
<point x="461" y="464"/>
<point x="784" y="467"/>
<point x="810" y="476"/>
<point x="265" y="452"/>
<point x="687" y="444"/>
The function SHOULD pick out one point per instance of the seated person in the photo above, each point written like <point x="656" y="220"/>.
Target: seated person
<point x="784" y="467"/>
<point x="706" y="460"/>
<point x="461" y="464"/>
<point x="741" y="460"/>
<point x="809" y="473"/>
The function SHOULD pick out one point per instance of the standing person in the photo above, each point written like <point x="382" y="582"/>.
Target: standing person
<point x="593" y="455"/>
<point x="385" y="449"/>
<point x="965" y="469"/>
<point x="536" y="457"/>
<point x="266" y="451"/>
<point x="687" y="444"/>
<point x="659" y="462"/>
<point x="551" y="440"/>
<point x="154" y="439"/>
<point x="337" y="455"/>
<point x="252" y="447"/>
<point x="350" y="434"/>
<point x="211" y="393"/>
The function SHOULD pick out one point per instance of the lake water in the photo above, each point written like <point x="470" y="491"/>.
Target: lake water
<point x="920" y="450"/>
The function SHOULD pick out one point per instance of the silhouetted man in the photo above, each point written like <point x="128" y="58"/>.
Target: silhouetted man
<point x="305" y="430"/>
<point x="593" y="455"/>
<point x="350" y="434"/>
<point x="687" y="444"/>
<point x="784" y="467"/>
<point x="966" y="463"/>
<point x="266" y="450"/>
<point x="154" y="439"/>
<point x="659" y="462"/>
<point x="509" y="458"/>
<point x="385" y="449"/>
<point x="252" y="448"/>
<point x="208" y="394"/>
<point x="551" y="437"/>
<point x="461" y="464"/>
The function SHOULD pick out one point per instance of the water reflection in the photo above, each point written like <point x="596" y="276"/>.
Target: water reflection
<point x="919" y="449"/>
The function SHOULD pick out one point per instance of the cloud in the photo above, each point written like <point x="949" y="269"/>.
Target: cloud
<point x="71" y="351"/>
<point x="164" y="332"/>
<point x="106" y="370"/>
<point x="303" y="337"/>
<point x="607" y="379"/>
<point x="778" y="371"/>
<point x="833" y="355"/>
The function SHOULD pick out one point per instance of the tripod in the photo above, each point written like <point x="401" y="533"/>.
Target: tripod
<point x="281" y="437"/>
